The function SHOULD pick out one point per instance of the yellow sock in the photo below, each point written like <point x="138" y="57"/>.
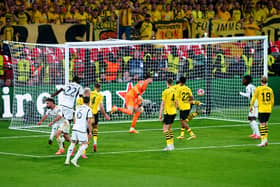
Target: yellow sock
<point x="191" y="116"/>
<point x="167" y="137"/>
<point x="94" y="133"/>
<point x="182" y="132"/>
<point x="263" y="134"/>
<point x="266" y="133"/>
<point x="190" y="132"/>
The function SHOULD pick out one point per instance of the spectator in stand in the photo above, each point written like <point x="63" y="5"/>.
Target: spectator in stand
<point x="82" y="16"/>
<point x="125" y="17"/>
<point x="126" y="77"/>
<point x="155" y="13"/>
<point x="236" y="14"/>
<point x="270" y="10"/>
<point x="95" y="18"/>
<point x="69" y="16"/>
<point x="168" y="14"/>
<point x="210" y="13"/>
<point x="179" y="12"/>
<point x="45" y="14"/>
<point x="223" y="14"/>
<point x="56" y="17"/>
<point x="160" y="65"/>
<point x="188" y="12"/>
<point x="136" y="66"/>
<point x="146" y="30"/>
<point x="251" y="28"/>
<point x="111" y="14"/>
<point x="248" y="13"/>
<point x="113" y="67"/>
<point x="35" y="14"/>
<point x="7" y="33"/>
<point x="11" y="14"/>
<point x="259" y="13"/>
<point x="197" y="13"/>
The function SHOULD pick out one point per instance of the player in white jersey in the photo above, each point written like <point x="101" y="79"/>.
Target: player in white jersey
<point x="70" y="93"/>
<point x="59" y="124"/>
<point x="253" y="115"/>
<point x="82" y="121"/>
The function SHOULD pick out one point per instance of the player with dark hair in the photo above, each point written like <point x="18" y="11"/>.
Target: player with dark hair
<point x="253" y="115"/>
<point x="133" y="100"/>
<point x="59" y="124"/>
<point x="265" y="98"/>
<point x="168" y="107"/>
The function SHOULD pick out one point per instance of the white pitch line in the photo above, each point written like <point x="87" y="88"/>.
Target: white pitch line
<point x="139" y="151"/>
<point x="141" y="130"/>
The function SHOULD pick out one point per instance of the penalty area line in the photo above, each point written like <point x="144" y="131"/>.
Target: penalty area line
<point x="140" y="130"/>
<point x="139" y="151"/>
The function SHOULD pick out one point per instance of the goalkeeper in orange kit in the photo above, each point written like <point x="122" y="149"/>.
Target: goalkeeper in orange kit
<point x="133" y="100"/>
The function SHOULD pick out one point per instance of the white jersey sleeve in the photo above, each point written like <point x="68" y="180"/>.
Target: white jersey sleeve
<point x="71" y="91"/>
<point x="82" y="115"/>
<point x="250" y="88"/>
<point x="53" y="113"/>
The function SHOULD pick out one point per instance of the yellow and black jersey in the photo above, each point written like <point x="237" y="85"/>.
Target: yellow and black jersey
<point x="184" y="94"/>
<point x="96" y="99"/>
<point x="169" y="97"/>
<point x="265" y="97"/>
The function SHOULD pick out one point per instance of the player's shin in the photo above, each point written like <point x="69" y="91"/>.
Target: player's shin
<point x="52" y="133"/>
<point x="59" y="142"/>
<point x="94" y="134"/>
<point x="80" y="151"/>
<point x="256" y="127"/>
<point x="263" y="130"/>
<point x="191" y="116"/>
<point x="69" y="152"/>
<point x="134" y="119"/>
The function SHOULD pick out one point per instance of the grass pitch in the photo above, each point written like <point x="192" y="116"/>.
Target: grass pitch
<point x="221" y="155"/>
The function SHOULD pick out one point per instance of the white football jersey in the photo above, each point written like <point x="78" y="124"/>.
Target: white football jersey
<point x="81" y="116"/>
<point x="71" y="91"/>
<point x="53" y="113"/>
<point x="250" y="89"/>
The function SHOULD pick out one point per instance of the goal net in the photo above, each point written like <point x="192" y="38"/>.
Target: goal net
<point x="215" y="65"/>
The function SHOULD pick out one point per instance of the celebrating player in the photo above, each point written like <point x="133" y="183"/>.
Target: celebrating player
<point x="59" y="123"/>
<point x="82" y="121"/>
<point x="265" y="98"/>
<point x="252" y="117"/>
<point x="185" y="99"/>
<point x="71" y="91"/>
<point x="168" y="105"/>
<point x="133" y="100"/>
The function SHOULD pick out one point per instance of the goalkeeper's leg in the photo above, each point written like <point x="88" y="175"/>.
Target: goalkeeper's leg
<point x="137" y="111"/>
<point x="130" y="102"/>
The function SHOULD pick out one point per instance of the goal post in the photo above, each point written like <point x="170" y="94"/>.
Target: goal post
<point x="216" y="65"/>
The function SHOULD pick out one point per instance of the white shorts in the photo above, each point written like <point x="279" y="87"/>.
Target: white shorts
<point x="254" y="112"/>
<point x="79" y="137"/>
<point x="64" y="127"/>
<point x="55" y="126"/>
<point x="67" y="113"/>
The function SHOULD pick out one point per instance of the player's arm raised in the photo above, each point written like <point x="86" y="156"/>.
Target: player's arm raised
<point x="43" y="119"/>
<point x="58" y="117"/>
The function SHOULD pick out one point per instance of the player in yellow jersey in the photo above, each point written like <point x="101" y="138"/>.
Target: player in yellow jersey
<point x="96" y="100"/>
<point x="265" y="98"/>
<point x="168" y="107"/>
<point x="185" y="99"/>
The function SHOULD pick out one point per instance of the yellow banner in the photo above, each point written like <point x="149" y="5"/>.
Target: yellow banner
<point x="169" y="30"/>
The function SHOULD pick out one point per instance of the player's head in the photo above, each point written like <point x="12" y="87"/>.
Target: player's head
<point x="264" y="80"/>
<point x="178" y="82"/>
<point x="182" y="80"/>
<point x="50" y="103"/>
<point x="97" y="87"/>
<point x="76" y="79"/>
<point x="149" y="78"/>
<point x="86" y="92"/>
<point x="247" y="79"/>
<point x="169" y="82"/>
<point x="86" y="99"/>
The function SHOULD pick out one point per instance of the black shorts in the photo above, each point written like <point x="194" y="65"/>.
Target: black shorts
<point x="96" y="119"/>
<point x="264" y="117"/>
<point x="168" y="119"/>
<point x="184" y="114"/>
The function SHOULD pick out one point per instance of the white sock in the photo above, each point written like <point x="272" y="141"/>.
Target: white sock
<point x="256" y="128"/>
<point x="59" y="142"/>
<point x="80" y="152"/>
<point x="62" y="139"/>
<point x="252" y="127"/>
<point x="69" y="152"/>
<point x="52" y="133"/>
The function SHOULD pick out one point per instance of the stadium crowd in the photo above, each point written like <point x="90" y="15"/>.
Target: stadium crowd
<point x="135" y="16"/>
